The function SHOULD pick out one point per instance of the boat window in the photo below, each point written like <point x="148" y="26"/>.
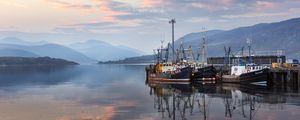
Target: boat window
<point x="253" y="68"/>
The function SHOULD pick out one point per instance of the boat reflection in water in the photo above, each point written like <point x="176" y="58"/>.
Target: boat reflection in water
<point x="225" y="101"/>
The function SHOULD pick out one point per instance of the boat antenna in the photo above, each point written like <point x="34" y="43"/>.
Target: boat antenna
<point x="172" y="21"/>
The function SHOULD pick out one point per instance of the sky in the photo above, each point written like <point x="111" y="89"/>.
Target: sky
<point x="139" y="24"/>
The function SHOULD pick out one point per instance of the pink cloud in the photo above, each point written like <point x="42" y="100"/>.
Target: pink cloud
<point x="265" y="5"/>
<point x="214" y="5"/>
<point x="152" y="3"/>
<point x="109" y="113"/>
<point x="106" y="8"/>
<point x="226" y="2"/>
<point x="65" y="4"/>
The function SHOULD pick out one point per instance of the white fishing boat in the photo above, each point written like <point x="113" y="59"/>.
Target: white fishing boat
<point x="247" y="74"/>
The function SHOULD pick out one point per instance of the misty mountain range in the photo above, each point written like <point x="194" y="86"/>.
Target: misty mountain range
<point x="84" y="53"/>
<point x="284" y="35"/>
<point x="103" y="51"/>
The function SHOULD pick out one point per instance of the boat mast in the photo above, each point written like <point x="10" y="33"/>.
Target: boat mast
<point x="155" y="56"/>
<point x="161" y="48"/>
<point x="158" y="55"/>
<point x="249" y="42"/>
<point x="181" y="56"/>
<point x="162" y="41"/>
<point x="173" y="46"/>
<point x="203" y="46"/>
<point x="191" y="55"/>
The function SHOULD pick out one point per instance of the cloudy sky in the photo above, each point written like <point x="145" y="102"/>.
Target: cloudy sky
<point x="136" y="23"/>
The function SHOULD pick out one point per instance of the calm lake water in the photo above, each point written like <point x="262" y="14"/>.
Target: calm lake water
<point x="117" y="92"/>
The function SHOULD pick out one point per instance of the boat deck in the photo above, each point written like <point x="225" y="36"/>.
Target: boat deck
<point x="230" y="77"/>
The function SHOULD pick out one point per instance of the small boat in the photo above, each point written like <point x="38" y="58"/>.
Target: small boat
<point x="246" y="74"/>
<point x="208" y="73"/>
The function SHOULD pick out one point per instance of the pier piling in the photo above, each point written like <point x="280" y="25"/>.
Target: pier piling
<point x="284" y="78"/>
<point x="298" y="80"/>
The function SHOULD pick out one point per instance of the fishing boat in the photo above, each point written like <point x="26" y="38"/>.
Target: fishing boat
<point x="247" y="74"/>
<point x="202" y="72"/>
<point x="182" y="73"/>
<point x="176" y="70"/>
<point x="208" y="73"/>
<point x="172" y="72"/>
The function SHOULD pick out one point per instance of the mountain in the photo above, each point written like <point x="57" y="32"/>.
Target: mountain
<point x="14" y="40"/>
<point x="50" y="50"/>
<point x="130" y="60"/>
<point x="284" y="35"/>
<point x="29" y="61"/>
<point x="193" y="38"/>
<point x="16" y="52"/>
<point x="103" y="51"/>
<point x="59" y="51"/>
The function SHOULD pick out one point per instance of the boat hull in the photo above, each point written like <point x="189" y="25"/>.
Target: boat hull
<point x="256" y="76"/>
<point x="205" y="74"/>
<point x="182" y="75"/>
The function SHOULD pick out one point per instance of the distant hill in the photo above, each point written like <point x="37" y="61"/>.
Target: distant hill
<point x="139" y="59"/>
<point x="16" y="52"/>
<point x="25" y="61"/>
<point x="51" y="50"/>
<point x="59" y="51"/>
<point x="284" y="35"/>
<point x="17" y="41"/>
<point x="103" y="51"/>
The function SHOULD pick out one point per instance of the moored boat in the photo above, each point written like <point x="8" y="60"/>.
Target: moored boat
<point x="183" y="73"/>
<point x="170" y="72"/>
<point x="247" y="74"/>
<point x="208" y="73"/>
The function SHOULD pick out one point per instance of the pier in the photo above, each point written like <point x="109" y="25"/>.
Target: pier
<point x="283" y="77"/>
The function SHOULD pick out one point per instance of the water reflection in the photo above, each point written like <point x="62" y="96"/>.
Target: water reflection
<point x="72" y="93"/>
<point x="35" y="75"/>
<point x="223" y="101"/>
<point x="114" y="92"/>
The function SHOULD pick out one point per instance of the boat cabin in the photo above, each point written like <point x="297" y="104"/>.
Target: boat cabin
<point x="238" y="70"/>
<point x="169" y="67"/>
